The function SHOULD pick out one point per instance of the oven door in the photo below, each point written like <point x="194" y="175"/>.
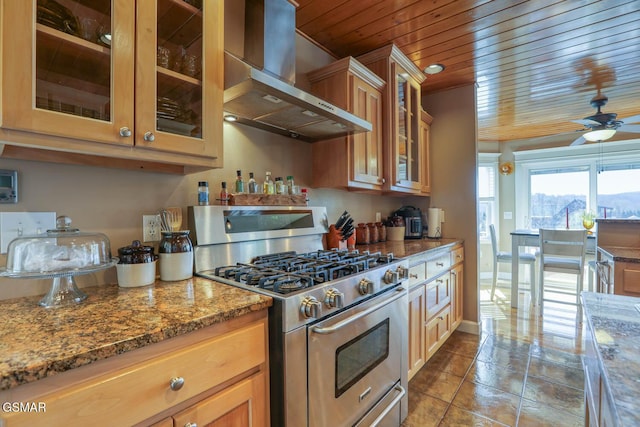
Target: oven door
<point x="356" y="363"/>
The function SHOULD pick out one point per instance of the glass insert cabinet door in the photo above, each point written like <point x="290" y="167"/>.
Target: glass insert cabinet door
<point x="408" y="133"/>
<point x="114" y="71"/>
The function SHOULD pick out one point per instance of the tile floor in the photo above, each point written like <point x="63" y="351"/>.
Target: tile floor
<point x="523" y="370"/>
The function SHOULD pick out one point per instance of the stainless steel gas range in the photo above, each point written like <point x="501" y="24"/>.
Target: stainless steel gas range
<point x="338" y="325"/>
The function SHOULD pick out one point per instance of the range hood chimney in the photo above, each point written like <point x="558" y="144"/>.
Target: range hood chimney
<point x="259" y="70"/>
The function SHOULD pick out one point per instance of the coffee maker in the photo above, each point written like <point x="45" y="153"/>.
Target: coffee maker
<point x="412" y="221"/>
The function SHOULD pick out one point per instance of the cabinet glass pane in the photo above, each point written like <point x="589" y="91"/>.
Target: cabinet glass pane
<point x="179" y="67"/>
<point x="403" y="140"/>
<point x="414" y="135"/>
<point x="73" y="57"/>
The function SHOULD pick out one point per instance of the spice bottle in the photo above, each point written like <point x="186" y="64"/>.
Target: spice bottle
<point x="239" y="183"/>
<point x="280" y="189"/>
<point x="203" y="193"/>
<point x="252" y="185"/>
<point x="290" y="186"/>
<point x="224" y="195"/>
<point x="268" y="184"/>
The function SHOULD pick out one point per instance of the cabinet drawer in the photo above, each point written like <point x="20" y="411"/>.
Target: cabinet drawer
<point x="631" y="279"/>
<point x="133" y="394"/>
<point x="457" y="255"/>
<point x="438" y="329"/>
<point x="438" y="294"/>
<point x="417" y="274"/>
<point x="438" y="265"/>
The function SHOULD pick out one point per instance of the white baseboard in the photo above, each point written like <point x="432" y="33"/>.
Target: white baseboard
<point x="470" y="327"/>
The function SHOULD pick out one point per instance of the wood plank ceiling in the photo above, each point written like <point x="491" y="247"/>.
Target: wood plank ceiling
<point x="537" y="63"/>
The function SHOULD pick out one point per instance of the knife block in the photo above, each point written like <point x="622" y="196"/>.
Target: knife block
<point x="333" y="239"/>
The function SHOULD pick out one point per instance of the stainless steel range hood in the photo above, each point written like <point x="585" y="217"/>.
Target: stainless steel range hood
<point x="260" y="75"/>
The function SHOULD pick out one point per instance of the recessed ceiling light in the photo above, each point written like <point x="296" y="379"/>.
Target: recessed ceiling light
<point x="434" y="69"/>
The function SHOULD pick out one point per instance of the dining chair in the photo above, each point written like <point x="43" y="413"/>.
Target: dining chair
<point x="505" y="257"/>
<point x="562" y="251"/>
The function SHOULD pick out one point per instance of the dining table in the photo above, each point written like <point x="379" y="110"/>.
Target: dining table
<point x="531" y="238"/>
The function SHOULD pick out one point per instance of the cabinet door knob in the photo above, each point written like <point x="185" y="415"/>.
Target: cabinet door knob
<point x="125" y="132"/>
<point x="149" y="136"/>
<point x="176" y="383"/>
<point x="191" y="425"/>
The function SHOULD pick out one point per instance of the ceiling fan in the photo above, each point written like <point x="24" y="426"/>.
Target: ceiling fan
<point x="602" y="126"/>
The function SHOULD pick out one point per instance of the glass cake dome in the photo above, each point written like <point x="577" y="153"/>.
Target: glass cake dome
<point x="59" y="254"/>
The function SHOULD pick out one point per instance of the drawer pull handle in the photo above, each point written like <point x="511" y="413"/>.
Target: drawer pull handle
<point x="176" y="383"/>
<point x="413" y="276"/>
<point x="439" y="280"/>
<point x="458" y="256"/>
<point x="440" y="318"/>
<point x="440" y="264"/>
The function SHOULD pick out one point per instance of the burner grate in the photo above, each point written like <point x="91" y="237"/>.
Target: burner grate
<point x="286" y="272"/>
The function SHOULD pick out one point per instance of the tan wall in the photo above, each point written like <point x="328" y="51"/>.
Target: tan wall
<point x="453" y="167"/>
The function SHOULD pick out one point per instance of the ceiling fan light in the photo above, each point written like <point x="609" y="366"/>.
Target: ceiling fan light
<point x="599" y="135"/>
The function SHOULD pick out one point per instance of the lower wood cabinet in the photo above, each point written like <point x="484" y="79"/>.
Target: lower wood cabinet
<point x="215" y="376"/>
<point x="435" y="302"/>
<point x="242" y="404"/>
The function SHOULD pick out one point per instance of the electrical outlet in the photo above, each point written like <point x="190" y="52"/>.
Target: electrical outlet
<point x="151" y="228"/>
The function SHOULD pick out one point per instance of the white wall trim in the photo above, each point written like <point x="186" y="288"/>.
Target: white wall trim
<point x="470" y="327"/>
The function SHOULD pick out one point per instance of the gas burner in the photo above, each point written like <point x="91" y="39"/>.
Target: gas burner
<point x="286" y="283"/>
<point x="287" y="272"/>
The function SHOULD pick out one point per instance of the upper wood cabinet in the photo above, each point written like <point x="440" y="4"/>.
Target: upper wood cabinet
<point x="403" y="148"/>
<point x="100" y="77"/>
<point x="355" y="161"/>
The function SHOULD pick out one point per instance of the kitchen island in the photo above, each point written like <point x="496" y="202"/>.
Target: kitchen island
<point x="611" y="362"/>
<point x="162" y="349"/>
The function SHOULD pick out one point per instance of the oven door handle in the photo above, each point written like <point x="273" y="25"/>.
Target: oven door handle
<point x="393" y="403"/>
<point x="341" y="324"/>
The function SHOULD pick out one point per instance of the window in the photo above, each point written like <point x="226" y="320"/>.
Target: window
<point x="618" y="190"/>
<point x="487" y="194"/>
<point x="558" y="197"/>
<point x="554" y="187"/>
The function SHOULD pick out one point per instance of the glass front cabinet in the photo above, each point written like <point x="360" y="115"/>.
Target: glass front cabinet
<point x="124" y="79"/>
<point x="403" y="129"/>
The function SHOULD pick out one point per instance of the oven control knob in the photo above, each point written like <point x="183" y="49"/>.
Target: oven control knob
<point x="365" y="286"/>
<point x="390" y="277"/>
<point x="310" y="307"/>
<point x="334" y="298"/>
<point x="403" y="272"/>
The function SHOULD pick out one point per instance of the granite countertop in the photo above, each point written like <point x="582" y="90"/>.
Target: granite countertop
<point x="36" y="342"/>
<point x="409" y="247"/>
<point x="615" y="324"/>
<point x="622" y="254"/>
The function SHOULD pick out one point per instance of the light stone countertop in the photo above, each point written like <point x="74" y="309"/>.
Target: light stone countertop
<point x="37" y="342"/>
<point x="615" y="325"/>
